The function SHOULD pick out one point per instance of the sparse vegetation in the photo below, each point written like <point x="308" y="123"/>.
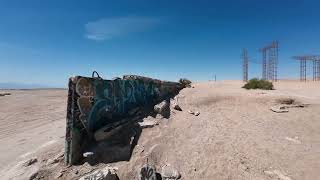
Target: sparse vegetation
<point x="258" y="84"/>
<point x="185" y="82"/>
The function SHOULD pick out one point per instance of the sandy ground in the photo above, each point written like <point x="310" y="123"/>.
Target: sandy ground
<point x="236" y="136"/>
<point x="30" y="120"/>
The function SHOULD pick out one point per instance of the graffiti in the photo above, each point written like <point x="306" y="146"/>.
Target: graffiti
<point x="94" y="103"/>
<point x="148" y="173"/>
<point x="97" y="176"/>
<point x="102" y="174"/>
<point x="114" y="99"/>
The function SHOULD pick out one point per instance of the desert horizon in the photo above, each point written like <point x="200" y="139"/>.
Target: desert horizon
<point x="235" y="136"/>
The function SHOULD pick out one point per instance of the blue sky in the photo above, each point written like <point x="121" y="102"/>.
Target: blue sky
<point x="45" y="42"/>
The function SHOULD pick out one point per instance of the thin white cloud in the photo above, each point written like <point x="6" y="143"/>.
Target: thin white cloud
<point x="108" y="28"/>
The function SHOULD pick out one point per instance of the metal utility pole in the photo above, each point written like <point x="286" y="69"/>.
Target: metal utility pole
<point x="245" y="65"/>
<point x="270" y="61"/>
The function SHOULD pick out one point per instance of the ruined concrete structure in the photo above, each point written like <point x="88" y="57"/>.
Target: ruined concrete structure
<point x="95" y="104"/>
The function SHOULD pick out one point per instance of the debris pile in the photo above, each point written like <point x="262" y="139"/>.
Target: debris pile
<point x="196" y="113"/>
<point x="285" y="103"/>
<point x="168" y="172"/>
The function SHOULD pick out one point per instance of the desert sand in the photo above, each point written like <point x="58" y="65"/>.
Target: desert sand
<point x="236" y="135"/>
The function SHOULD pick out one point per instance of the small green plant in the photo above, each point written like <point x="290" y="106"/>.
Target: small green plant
<point x="258" y="84"/>
<point x="185" y="82"/>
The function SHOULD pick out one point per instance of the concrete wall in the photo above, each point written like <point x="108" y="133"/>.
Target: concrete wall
<point x="94" y="103"/>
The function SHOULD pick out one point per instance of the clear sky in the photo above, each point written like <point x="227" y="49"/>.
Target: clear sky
<point x="45" y="42"/>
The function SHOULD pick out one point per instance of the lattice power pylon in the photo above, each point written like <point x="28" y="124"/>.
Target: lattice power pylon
<point x="270" y="61"/>
<point x="245" y="64"/>
<point x="303" y="66"/>
<point x="318" y="69"/>
<point x="264" y="64"/>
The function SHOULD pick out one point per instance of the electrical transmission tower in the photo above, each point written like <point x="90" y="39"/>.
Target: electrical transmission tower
<point x="245" y="64"/>
<point x="303" y="66"/>
<point x="270" y="61"/>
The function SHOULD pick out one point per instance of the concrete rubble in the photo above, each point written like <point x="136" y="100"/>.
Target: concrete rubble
<point x="285" y="107"/>
<point x="148" y="123"/>
<point x="277" y="174"/>
<point x="196" y="113"/>
<point x="163" y="108"/>
<point x="29" y="162"/>
<point x="88" y="154"/>
<point x="174" y="104"/>
<point x="279" y="109"/>
<point x="107" y="173"/>
<point x="168" y="172"/>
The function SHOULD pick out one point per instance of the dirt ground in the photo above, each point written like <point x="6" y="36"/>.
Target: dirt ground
<point x="236" y="135"/>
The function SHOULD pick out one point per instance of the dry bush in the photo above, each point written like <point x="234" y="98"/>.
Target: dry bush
<point x="185" y="82"/>
<point x="258" y="84"/>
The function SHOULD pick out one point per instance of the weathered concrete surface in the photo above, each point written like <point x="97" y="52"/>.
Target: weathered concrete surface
<point x="97" y="107"/>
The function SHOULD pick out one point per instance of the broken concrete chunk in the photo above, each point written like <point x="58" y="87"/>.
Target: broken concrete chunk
<point x="88" y="154"/>
<point x="196" y="113"/>
<point x="30" y="162"/>
<point x="279" y="109"/>
<point x="56" y="158"/>
<point x="294" y="140"/>
<point x="169" y="173"/>
<point x="162" y="108"/>
<point x="277" y="173"/>
<point x="107" y="173"/>
<point x="147" y="172"/>
<point x="176" y="106"/>
<point x="190" y="112"/>
<point x="147" y="123"/>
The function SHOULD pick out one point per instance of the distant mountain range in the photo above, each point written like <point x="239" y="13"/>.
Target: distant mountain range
<point x="13" y="85"/>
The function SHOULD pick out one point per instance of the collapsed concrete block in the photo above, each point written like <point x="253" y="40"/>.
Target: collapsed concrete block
<point x="174" y="104"/>
<point x="168" y="172"/>
<point x="100" y="108"/>
<point x="163" y="108"/>
<point x="148" y="123"/>
<point x="279" y="109"/>
<point x="107" y="173"/>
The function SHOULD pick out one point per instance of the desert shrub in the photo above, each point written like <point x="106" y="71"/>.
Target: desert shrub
<point x="185" y="82"/>
<point x="258" y="84"/>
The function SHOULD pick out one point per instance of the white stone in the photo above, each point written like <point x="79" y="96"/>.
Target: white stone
<point x="147" y="123"/>
<point x="169" y="172"/>
<point x="107" y="173"/>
